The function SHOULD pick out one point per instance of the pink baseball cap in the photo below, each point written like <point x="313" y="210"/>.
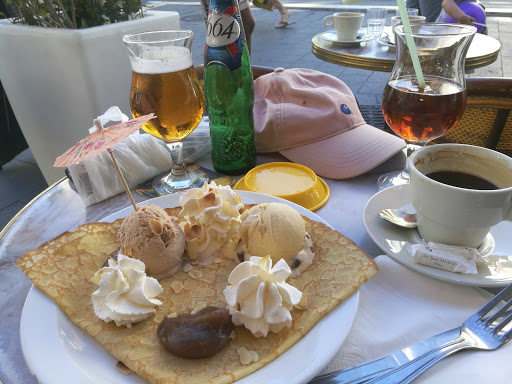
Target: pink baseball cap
<point x="313" y="119"/>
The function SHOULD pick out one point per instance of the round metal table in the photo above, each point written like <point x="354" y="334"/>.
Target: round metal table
<point x="484" y="50"/>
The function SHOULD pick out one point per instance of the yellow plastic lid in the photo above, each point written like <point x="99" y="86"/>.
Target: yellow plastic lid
<point x="290" y="181"/>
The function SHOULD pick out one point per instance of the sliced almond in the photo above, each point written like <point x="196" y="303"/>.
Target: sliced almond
<point x="187" y="268"/>
<point x="186" y="230"/>
<point x="254" y="356"/>
<point x="196" y="231"/>
<point x="198" y="308"/>
<point x="156" y="227"/>
<point x="304" y="301"/>
<point x="232" y="335"/>
<point x="217" y="260"/>
<point x="245" y="356"/>
<point x="172" y="315"/>
<point x="123" y="368"/>
<point x="127" y="250"/>
<point x="192" y="232"/>
<point x="177" y="286"/>
<point x="195" y="274"/>
<point x="209" y="199"/>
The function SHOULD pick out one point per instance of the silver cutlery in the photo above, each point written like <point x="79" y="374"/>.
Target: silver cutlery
<point x="362" y="373"/>
<point x="399" y="217"/>
<point x="485" y="330"/>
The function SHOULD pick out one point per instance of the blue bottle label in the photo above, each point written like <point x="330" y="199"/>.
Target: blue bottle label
<point x="224" y="37"/>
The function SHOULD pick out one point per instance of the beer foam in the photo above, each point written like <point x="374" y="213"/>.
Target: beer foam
<point x="162" y="60"/>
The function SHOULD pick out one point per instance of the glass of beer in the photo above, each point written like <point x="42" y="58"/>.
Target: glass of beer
<point x="165" y="83"/>
<point x="420" y="114"/>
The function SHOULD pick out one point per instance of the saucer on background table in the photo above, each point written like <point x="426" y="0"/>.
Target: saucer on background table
<point x="496" y="248"/>
<point x="333" y="38"/>
<point x="384" y="40"/>
<point x="289" y="181"/>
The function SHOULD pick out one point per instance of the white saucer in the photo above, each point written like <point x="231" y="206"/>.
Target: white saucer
<point x="384" y="40"/>
<point x="496" y="250"/>
<point x="333" y="38"/>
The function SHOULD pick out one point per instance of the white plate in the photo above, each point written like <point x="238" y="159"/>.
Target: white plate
<point x="497" y="247"/>
<point x="333" y="38"/>
<point x="384" y="40"/>
<point x="57" y="351"/>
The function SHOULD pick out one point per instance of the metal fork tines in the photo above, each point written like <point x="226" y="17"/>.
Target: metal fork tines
<point x="488" y="329"/>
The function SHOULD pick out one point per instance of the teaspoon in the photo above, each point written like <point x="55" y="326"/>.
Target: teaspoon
<point x="399" y="217"/>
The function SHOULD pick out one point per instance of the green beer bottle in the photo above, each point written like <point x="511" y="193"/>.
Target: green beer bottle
<point x="229" y="89"/>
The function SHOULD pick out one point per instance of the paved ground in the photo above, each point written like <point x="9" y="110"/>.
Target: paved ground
<point x="21" y="180"/>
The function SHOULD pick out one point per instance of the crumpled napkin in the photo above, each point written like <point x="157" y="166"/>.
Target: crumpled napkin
<point x="399" y="307"/>
<point x="141" y="158"/>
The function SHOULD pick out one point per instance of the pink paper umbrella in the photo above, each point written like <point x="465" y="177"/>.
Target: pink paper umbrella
<point x="100" y="140"/>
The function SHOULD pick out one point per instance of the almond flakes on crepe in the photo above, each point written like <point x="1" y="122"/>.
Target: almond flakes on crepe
<point x="63" y="267"/>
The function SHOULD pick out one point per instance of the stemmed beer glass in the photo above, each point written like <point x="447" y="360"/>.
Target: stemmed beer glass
<point x="416" y="114"/>
<point x="164" y="82"/>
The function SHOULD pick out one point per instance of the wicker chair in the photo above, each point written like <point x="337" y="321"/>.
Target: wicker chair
<point x="487" y="121"/>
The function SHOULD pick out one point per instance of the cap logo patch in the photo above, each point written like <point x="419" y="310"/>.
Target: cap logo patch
<point x="345" y="109"/>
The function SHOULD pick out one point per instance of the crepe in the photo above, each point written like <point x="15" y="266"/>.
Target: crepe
<point x="63" y="267"/>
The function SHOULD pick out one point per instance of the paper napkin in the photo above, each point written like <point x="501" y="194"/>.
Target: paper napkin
<point x="399" y="307"/>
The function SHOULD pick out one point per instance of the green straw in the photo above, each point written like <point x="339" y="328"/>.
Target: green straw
<point x="408" y="38"/>
<point x="410" y="42"/>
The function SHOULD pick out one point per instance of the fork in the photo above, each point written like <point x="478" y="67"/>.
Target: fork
<point x="477" y="332"/>
<point x="406" y="364"/>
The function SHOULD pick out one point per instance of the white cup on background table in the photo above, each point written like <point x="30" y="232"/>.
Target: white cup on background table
<point x="346" y="24"/>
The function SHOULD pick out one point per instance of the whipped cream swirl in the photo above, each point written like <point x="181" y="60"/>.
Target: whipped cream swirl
<point x="126" y="295"/>
<point x="259" y="297"/>
<point x="210" y="217"/>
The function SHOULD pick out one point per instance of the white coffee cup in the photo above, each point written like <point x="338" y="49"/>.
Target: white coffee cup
<point x="416" y="22"/>
<point x="346" y="24"/>
<point x="454" y="215"/>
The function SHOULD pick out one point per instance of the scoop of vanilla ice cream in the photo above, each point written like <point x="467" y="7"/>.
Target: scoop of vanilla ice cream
<point x="210" y="217"/>
<point x="152" y="236"/>
<point x="126" y="294"/>
<point x="258" y="296"/>
<point x="277" y="230"/>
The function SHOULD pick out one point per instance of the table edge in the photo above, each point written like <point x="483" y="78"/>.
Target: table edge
<point x="20" y="212"/>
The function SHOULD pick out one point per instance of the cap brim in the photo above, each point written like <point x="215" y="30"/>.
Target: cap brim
<point x="348" y="154"/>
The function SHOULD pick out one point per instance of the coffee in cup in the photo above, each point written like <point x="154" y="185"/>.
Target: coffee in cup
<point x="459" y="192"/>
<point x="346" y="24"/>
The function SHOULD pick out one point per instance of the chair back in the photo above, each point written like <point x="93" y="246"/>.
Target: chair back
<point x="487" y="121"/>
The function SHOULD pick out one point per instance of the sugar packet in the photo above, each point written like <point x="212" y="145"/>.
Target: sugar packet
<point x="446" y="257"/>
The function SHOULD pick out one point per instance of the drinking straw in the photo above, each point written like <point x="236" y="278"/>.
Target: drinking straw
<point x="408" y="38"/>
<point x="410" y="43"/>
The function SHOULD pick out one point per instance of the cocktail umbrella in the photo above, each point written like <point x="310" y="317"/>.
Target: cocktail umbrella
<point x="100" y="140"/>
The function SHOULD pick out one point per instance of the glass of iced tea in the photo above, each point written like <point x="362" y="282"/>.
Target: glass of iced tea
<point x="164" y="82"/>
<point x="420" y="114"/>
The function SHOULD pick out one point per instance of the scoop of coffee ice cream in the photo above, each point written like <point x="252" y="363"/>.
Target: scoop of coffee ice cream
<point x="155" y="238"/>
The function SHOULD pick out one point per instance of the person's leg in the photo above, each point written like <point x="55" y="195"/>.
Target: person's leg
<point x="413" y="4"/>
<point x="430" y="9"/>
<point x="285" y="14"/>
<point x="248" y="23"/>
